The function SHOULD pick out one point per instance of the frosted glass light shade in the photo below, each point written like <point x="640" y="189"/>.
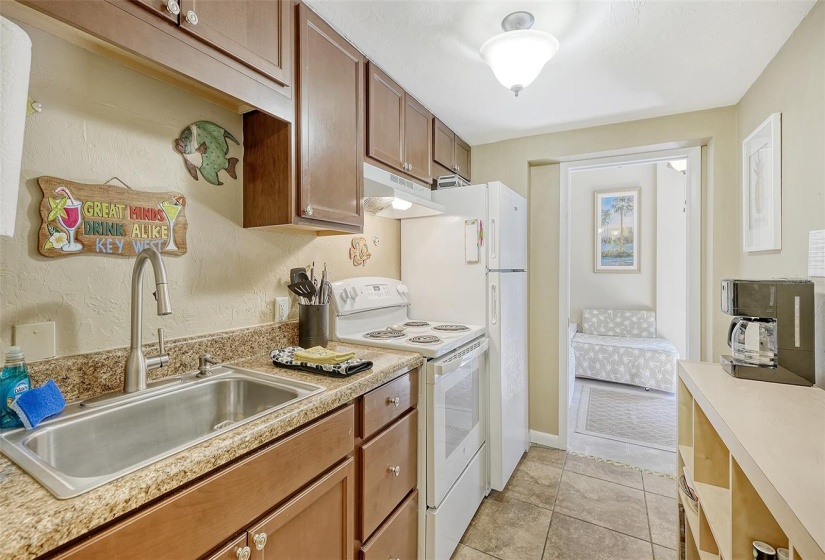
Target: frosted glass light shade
<point x="517" y="57"/>
<point x="401" y="204"/>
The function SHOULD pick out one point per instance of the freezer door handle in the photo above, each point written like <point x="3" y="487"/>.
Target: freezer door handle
<point x="493" y="249"/>
<point x="494" y="304"/>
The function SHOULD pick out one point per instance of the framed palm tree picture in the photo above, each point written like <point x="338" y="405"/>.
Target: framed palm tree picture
<point x="762" y="187"/>
<point x="617" y="231"/>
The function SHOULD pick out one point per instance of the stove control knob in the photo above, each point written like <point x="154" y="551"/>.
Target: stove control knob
<point x="403" y="290"/>
<point x="353" y="292"/>
<point x="344" y="295"/>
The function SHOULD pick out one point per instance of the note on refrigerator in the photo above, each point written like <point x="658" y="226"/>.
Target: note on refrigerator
<point x="471" y="241"/>
<point x="816" y="253"/>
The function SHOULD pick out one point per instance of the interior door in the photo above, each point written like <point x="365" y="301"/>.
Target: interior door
<point x="330" y="124"/>
<point x="385" y="115"/>
<point x="257" y="33"/>
<point x="507" y="330"/>
<point x="443" y="145"/>
<point x="418" y="123"/>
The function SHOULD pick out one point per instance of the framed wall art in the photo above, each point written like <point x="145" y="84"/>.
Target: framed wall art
<point x="762" y="187"/>
<point x="617" y="231"/>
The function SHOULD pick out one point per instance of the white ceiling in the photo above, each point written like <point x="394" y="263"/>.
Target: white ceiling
<point x="619" y="60"/>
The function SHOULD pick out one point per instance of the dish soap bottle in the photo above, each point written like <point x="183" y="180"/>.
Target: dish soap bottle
<point x="14" y="380"/>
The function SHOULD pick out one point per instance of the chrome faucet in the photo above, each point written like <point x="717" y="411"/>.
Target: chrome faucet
<point x="138" y="365"/>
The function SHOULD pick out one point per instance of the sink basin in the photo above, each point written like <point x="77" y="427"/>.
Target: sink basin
<point x="84" y="448"/>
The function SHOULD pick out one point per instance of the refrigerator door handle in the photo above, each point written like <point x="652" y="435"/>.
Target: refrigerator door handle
<point x="493" y="238"/>
<point x="494" y="304"/>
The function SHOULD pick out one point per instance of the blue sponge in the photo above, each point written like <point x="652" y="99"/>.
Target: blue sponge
<point x="35" y="405"/>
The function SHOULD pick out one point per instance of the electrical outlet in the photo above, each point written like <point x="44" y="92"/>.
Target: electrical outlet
<point x="281" y="309"/>
<point x="36" y="340"/>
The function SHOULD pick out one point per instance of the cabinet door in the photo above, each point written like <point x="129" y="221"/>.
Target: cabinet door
<point x="462" y="158"/>
<point x="235" y="550"/>
<point x="163" y="8"/>
<point x="330" y="124"/>
<point x="317" y="523"/>
<point x="443" y="145"/>
<point x="418" y="134"/>
<point x="257" y="33"/>
<point x="385" y="115"/>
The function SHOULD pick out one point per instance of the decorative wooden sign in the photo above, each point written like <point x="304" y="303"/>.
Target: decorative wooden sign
<point x="109" y="220"/>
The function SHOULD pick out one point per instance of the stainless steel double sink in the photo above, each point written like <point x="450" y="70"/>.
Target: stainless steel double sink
<point x="86" y="447"/>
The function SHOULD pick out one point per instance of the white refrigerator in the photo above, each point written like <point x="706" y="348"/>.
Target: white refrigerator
<point x="469" y="265"/>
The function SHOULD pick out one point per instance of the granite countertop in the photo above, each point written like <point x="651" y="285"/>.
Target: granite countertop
<point x="35" y="522"/>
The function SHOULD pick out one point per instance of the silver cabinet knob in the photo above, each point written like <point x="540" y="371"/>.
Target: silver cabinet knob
<point x="243" y="553"/>
<point x="308" y="211"/>
<point x="396" y="401"/>
<point x="458" y="168"/>
<point x="259" y="540"/>
<point x="172" y="7"/>
<point x="192" y="17"/>
<point x="395" y="470"/>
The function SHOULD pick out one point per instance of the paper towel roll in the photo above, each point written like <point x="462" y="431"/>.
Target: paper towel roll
<point x="15" y="65"/>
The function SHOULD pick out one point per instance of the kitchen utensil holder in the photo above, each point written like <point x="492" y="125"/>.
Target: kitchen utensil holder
<point x="313" y="325"/>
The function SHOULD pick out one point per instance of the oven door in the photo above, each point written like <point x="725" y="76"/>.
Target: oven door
<point x="455" y="415"/>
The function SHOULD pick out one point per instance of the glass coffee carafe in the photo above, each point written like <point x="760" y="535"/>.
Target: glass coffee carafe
<point x="753" y="341"/>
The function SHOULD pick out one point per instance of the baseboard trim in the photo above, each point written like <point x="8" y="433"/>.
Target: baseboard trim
<point x="541" y="438"/>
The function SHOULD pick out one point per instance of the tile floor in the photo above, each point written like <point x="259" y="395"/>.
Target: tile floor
<point x="635" y="455"/>
<point x="559" y="506"/>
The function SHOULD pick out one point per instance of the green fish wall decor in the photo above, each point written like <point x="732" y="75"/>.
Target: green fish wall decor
<point x="203" y="146"/>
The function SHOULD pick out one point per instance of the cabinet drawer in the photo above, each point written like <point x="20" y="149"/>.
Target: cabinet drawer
<point x="389" y="471"/>
<point x="379" y="408"/>
<point x="194" y="521"/>
<point x="398" y="538"/>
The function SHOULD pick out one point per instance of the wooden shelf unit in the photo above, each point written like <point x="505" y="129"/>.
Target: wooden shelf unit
<point x="731" y="513"/>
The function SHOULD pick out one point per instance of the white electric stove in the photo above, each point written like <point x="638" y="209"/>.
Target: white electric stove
<point x="453" y="470"/>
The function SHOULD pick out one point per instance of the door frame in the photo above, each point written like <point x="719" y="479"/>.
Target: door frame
<point x="695" y="241"/>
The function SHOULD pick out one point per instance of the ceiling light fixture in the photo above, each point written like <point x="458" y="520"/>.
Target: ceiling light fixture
<point x="518" y="55"/>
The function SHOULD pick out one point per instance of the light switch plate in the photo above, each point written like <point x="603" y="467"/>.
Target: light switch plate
<point x="281" y="309"/>
<point x="36" y="339"/>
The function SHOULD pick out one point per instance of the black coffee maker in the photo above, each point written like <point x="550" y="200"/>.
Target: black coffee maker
<point x="772" y="331"/>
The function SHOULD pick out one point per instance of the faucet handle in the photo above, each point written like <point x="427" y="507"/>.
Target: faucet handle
<point x="161" y="342"/>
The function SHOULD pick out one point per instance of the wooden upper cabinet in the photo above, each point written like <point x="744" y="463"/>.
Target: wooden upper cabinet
<point x="330" y="125"/>
<point x="450" y="151"/>
<point x="443" y="145"/>
<point x="386" y="112"/>
<point x="234" y="550"/>
<point x="418" y="123"/>
<point x="462" y="158"/>
<point x="257" y="33"/>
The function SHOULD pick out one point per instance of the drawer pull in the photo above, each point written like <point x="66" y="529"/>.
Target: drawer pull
<point x="243" y="553"/>
<point x="396" y="401"/>
<point x="396" y="469"/>
<point x="260" y="541"/>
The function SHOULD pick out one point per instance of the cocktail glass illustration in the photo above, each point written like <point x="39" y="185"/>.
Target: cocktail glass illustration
<point x="70" y="222"/>
<point x="171" y="208"/>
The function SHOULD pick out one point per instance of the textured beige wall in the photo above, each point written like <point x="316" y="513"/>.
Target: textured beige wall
<point x="594" y="290"/>
<point x="793" y="84"/>
<point x="510" y="162"/>
<point x="544" y="302"/>
<point x="101" y="119"/>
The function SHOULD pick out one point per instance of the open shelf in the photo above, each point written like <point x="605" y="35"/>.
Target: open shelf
<point x="687" y="458"/>
<point x="715" y="503"/>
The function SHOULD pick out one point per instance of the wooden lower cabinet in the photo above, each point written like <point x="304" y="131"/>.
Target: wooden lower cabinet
<point x="317" y="523"/>
<point x="238" y="549"/>
<point x="398" y="537"/>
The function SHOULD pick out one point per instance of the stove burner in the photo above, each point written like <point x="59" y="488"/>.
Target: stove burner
<point x="416" y="324"/>
<point x="451" y="328"/>
<point x="385" y="334"/>
<point x="425" y="339"/>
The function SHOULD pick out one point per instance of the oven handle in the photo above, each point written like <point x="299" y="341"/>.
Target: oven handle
<point x="461" y="359"/>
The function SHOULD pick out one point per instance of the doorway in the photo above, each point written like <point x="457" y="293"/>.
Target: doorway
<point x="657" y="236"/>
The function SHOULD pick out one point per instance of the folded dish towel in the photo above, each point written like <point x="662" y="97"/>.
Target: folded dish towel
<point x="286" y="357"/>
<point x="35" y="405"/>
<point x="320" y="355"/>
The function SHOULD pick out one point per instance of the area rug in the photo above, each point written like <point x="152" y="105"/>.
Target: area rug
<point x="622" y="414"/>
